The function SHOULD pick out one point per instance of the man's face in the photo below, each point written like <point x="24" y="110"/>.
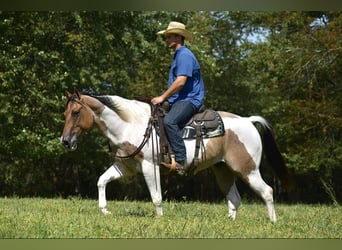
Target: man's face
<point x="173" y="40"/>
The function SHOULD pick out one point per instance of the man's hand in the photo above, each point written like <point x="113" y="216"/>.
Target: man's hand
<point x="157" y="100"/>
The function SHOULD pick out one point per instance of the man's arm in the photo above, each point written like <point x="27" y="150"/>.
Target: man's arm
<point x="176" y="86"/>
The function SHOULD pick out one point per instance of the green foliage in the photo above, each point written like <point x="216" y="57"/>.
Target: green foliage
<point x="298" y="80"/>
<point x="285" y="66"/>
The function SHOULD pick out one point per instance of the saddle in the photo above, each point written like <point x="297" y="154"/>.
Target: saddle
<point x="206" y="123"/>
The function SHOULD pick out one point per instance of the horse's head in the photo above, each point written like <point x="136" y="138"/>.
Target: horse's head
<point x="78" y="119"/>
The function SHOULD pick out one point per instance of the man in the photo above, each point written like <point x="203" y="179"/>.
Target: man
<point x="185" y="89"/>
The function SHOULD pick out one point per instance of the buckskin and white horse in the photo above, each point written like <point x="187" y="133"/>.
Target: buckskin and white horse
<point x="124" y="122"/>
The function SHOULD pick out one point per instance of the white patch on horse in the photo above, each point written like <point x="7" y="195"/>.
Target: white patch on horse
<point x="129" y="110"/>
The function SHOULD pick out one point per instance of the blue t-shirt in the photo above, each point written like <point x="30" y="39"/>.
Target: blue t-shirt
<point x="185" y="64"/>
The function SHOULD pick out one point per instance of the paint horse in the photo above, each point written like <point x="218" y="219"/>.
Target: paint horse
<point x="124" y="122"/>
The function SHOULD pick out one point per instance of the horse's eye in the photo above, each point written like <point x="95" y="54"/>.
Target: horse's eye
<point x="75" y="113"/>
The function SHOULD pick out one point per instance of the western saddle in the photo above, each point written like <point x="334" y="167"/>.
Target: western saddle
<point x="207" y="123"/>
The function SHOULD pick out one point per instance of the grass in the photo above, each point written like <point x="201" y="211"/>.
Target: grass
<point x="81" y="218"/>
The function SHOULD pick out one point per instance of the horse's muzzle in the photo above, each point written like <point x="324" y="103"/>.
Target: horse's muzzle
<point x="69" y="142"/>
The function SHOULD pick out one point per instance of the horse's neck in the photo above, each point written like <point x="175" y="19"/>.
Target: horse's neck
<point x="124" y="120"/>
<point x="122" y="108"/>
<point x="95" y="105"/>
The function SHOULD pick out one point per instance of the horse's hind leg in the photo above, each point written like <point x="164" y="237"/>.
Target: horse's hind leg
<point x="113" y="172"/>
<point x="226" y="180"/>
<point x="256" y="182"/>
<point x="234" y="199"/>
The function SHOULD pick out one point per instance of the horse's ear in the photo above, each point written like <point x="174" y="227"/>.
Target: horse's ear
<point x="78" y="94"/>
<point x="68" y="94"/>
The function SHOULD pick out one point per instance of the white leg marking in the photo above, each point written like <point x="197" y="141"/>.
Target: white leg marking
<point x="264" y="191"/>
<point x="234" y="199"/>
<point x="112" y="173"/>
<point x="152" y="178"/>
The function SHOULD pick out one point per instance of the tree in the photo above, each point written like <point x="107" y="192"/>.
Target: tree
<point x="299" y="70"/>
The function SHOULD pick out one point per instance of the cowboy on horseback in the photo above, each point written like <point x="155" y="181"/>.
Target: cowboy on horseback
<point x="185" y="89"/>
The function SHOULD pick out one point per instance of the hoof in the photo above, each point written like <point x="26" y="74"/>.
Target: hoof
<point x="105" y="211"/>
<point x="232" y="214"/>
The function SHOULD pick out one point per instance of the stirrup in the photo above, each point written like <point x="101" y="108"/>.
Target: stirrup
<point x="174" y="166"/>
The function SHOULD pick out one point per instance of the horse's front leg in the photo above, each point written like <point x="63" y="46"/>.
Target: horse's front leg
<point x="152" y="177"/>
<point x="112" y="173"/>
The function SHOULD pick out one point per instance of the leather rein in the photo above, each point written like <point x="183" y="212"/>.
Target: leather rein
<point x="147" y="135"/>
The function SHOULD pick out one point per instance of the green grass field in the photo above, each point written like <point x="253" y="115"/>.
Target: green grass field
<point x="81" y="218"/>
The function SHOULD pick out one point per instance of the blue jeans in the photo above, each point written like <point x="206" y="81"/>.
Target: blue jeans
<point x="179" y="114"/>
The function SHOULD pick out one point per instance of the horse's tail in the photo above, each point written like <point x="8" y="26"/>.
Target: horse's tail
<point x="273" y="154"/>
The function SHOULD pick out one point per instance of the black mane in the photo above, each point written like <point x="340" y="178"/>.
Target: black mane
<point x="104" y="99"/>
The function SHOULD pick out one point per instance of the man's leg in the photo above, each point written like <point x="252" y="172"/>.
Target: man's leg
<point x="179" y="114"/>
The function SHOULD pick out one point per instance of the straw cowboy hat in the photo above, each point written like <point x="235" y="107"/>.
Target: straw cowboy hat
<point x="176" y="28"/>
